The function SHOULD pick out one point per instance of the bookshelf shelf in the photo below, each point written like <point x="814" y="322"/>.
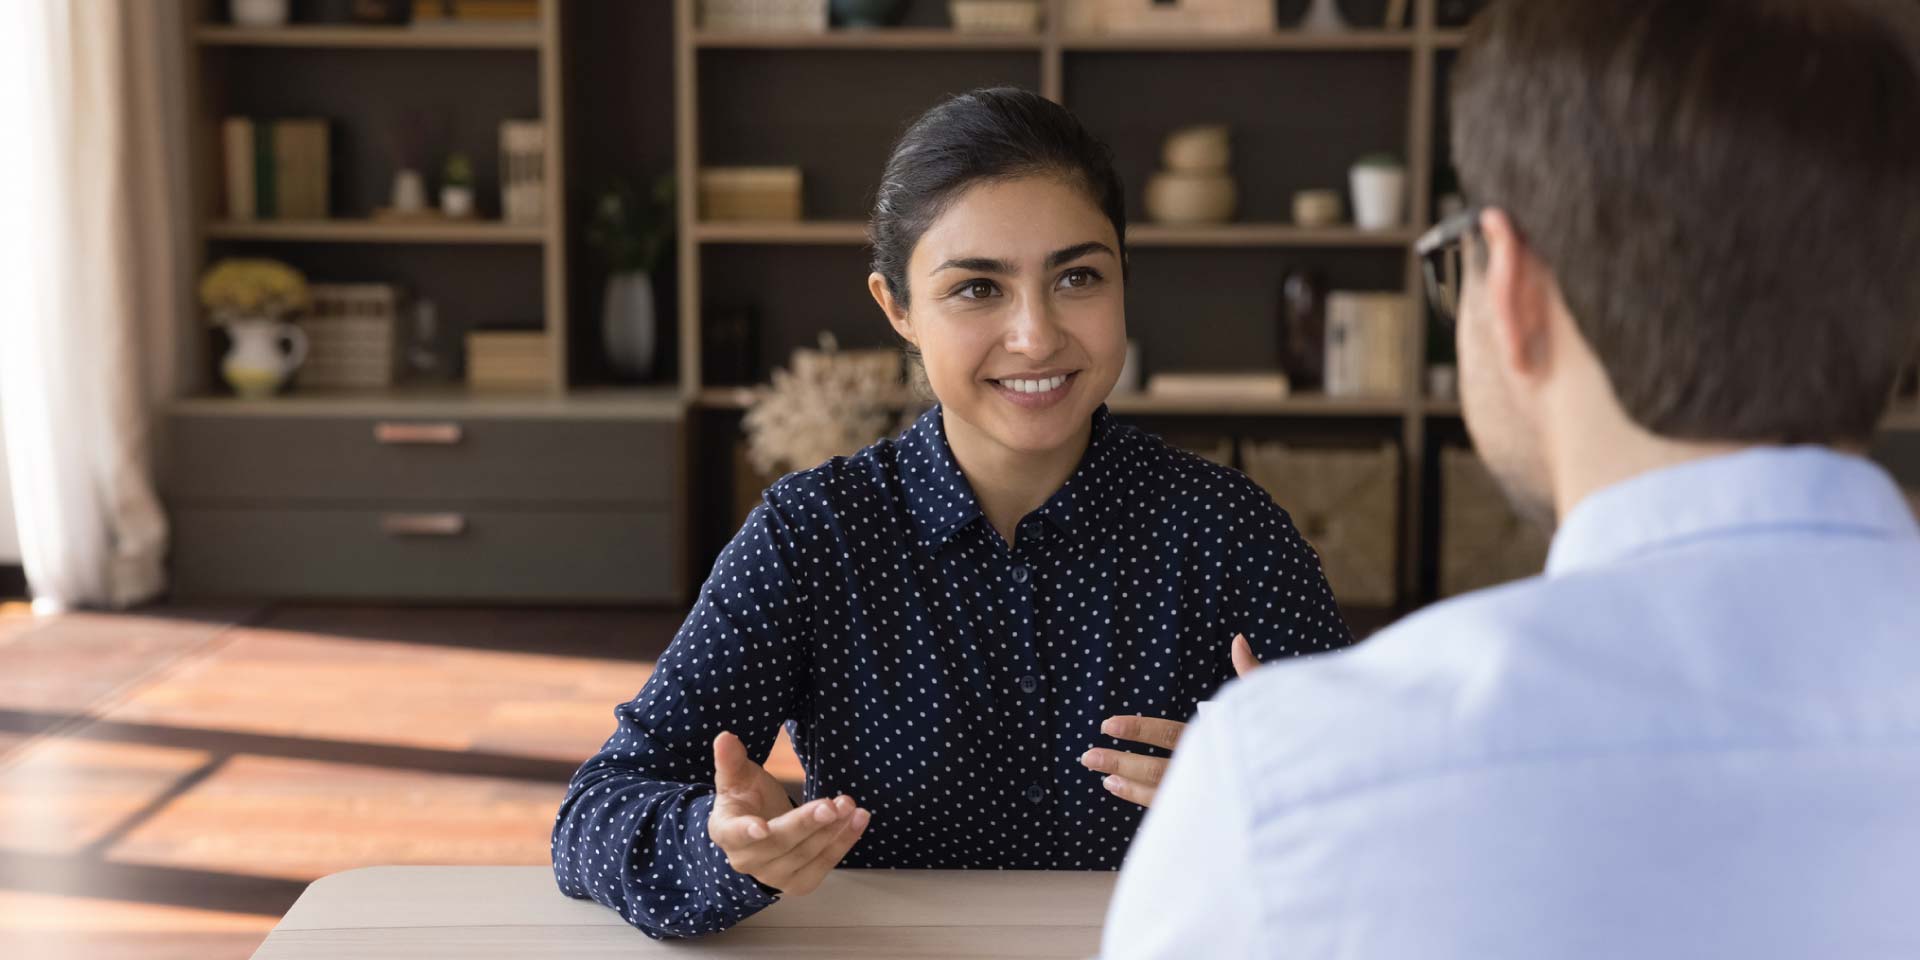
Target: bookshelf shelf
<point x="891" y="39"/>
<point x="377" y="231"/>
<point x="452" y="37"/>
<point x="1138" y="235"/>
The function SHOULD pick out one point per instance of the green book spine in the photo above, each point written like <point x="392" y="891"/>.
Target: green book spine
<point x="265" y="190"/>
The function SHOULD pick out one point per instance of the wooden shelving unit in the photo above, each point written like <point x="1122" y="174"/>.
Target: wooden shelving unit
<point x="898" y="38"/>
<point x="1060" y="57"/>
<point x="1147" y="235"/>
<point x="218" y="79"/>
<point x="377" y="231"/>
<point x="392" y="38"/>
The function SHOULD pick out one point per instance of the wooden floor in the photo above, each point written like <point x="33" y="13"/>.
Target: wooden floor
<point x="171" y="780"/>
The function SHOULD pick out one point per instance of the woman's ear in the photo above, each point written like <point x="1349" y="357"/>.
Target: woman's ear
<point x="883" y="295"/>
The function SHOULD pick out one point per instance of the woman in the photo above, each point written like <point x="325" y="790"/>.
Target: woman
<point x="948" y="621"/>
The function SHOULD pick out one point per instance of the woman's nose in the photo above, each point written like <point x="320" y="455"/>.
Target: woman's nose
<point x="1034" y="330"/>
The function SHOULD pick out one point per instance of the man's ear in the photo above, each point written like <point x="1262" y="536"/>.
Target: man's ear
<point x="883" y="295"/>
<point x="1518" y="296"/>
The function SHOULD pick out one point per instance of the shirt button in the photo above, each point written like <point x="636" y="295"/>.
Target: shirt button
<point x="1029" y="683"/>
<point x="1036" y="793"/>
<point x="1019" y="574"/>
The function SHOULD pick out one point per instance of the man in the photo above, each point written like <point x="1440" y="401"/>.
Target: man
<point x="1691" y="278"/>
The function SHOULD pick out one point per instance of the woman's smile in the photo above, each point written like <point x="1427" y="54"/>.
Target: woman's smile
<point x="1036" y="391"/>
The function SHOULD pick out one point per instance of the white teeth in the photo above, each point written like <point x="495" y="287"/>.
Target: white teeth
<point x="1033" y="386"/>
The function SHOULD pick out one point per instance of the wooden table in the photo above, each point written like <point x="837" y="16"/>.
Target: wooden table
<point x="497" y="912"/>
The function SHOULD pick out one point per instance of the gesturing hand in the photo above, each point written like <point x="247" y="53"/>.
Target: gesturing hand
<point x="790" y="849"/>
<point x="1136" y="777"/>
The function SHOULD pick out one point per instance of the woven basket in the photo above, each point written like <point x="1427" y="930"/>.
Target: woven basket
<point x="770" y="16"/>
<point x="1347" y="505"/>
<point x="1483" y="542"/>
<point x="351" y="332"/>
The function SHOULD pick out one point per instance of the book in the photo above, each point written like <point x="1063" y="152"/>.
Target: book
<point x="236" y="134"/>
<point x="276" y="169"/>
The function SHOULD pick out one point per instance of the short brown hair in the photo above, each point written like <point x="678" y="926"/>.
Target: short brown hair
<point x="1727" y="191"/>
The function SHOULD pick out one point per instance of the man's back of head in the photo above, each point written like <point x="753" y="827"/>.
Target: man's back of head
<point x="1687" y="278"/>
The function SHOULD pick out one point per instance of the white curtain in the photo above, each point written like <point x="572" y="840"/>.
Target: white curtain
<point x="93" y="191"/>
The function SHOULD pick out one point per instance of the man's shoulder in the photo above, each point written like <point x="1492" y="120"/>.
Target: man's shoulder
<point x="1428" y="694"/>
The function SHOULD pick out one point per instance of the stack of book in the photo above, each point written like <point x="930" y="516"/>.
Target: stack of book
<point x="435" y="13"/>
<point x="1367" y="344"/>
<point x="276" y="169"/>
<point x="509" y="360"/>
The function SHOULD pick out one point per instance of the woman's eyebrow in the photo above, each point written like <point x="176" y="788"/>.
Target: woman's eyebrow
<point x="978" y="265"/>
<point x="1077" y="251"/>
<point x="1003" y="267"/>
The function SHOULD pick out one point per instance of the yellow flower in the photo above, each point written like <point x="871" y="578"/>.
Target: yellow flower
<point x="241" y="286"/>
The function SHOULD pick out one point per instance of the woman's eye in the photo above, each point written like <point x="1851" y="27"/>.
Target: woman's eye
<point x="1079" y="278"/>
<point x="976" y="289"/>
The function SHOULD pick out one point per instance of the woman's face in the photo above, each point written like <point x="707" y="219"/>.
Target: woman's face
<point x="1017" y="306"/>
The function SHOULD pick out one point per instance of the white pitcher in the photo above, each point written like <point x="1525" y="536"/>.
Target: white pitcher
<point x="264" y="354"/>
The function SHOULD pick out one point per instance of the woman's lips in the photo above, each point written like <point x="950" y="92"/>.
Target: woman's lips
<point x="1040" y="400"/>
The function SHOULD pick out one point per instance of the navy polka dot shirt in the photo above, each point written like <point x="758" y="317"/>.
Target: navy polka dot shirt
<point x="947" y="682"/>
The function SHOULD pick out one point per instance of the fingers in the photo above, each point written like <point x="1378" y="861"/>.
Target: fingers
<point x="1150" y="730"/>
<point x="802" y="869"/>
<point x="783" y="833"/>
<point x="733" y="770"/>
<point x="1244" y="662"/>
<point x="1129" y="790"/>
<point x="808" y="878"/>
<point x="1128" y="766"/>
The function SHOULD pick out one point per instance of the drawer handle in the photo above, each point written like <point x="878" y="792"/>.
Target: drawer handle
<point x="418" y="434"/>
<point x="423" y="524"/>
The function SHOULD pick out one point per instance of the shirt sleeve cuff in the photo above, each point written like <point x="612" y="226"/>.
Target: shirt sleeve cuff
<point x="734" y="886"/>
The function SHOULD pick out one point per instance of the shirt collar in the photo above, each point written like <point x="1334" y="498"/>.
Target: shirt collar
<point x="941" y="501"/>
<point x="1807" y="488"/>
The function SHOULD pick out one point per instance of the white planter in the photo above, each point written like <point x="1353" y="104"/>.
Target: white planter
<point x="259" y="13"/>
<point x="628" y="324"/>
<point x="1379" y="197"/>
<point x="456" y="202"/>
<point x="264" y="354"/>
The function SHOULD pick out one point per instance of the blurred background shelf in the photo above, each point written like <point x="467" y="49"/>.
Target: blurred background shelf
<point x="894" y="38"/>
<point x="1279" y="41"/>
<point x="377" y="231"/>
<point x="463" y="37"/>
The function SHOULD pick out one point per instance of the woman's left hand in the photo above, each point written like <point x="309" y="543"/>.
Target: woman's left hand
<point x="1136" y="777"/>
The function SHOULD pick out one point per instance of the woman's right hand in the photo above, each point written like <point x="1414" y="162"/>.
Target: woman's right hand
<point x="764" y="836"/>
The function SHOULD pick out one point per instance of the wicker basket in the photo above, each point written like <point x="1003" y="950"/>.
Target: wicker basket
<point x="769" y="16"/>
<point x="1483" y="542"/>
<point x="995" y="16"/>
<point x="351" y="332"/>
<point x="1347" y="504"/>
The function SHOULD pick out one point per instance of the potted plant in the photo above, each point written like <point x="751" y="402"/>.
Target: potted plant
<point x="456" y="187"/>
<point x="1379" y="183"/>
<point x="252" y="300"/>
<point x="631" y="233"/>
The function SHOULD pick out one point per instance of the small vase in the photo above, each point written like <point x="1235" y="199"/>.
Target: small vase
<point x="409" y="192"/>
<point x="628" y="324"/>
<point x="1323" y="18"/>
<point x="260" y="13"/>
<point x="264" y="353"/>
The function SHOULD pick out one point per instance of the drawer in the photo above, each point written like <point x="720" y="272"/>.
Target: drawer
<point x="536" y="461"/>
<point x="557" y="556"/>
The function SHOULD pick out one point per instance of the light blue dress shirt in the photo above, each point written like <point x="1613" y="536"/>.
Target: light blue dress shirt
<point x="1697" y="735"/>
